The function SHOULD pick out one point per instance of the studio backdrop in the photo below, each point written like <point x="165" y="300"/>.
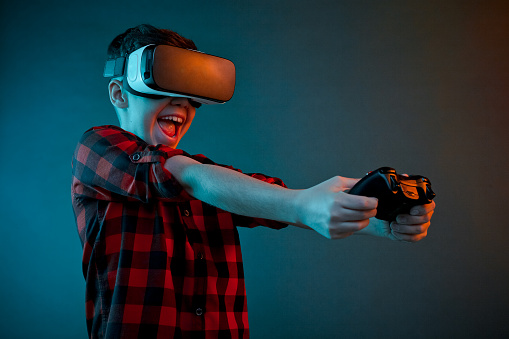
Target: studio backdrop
<point x="324" y="88"/>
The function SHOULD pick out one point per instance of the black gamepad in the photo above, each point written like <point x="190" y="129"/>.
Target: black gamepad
<point x="396" y="194"/>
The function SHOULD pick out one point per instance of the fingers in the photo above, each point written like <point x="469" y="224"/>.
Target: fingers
<point x="341" y="230"/>
<point x="423" y="209"/>
<point x="350" y="214"/>
<point x="410" y="233"/>
<point x="406" y="219"/>
<point x="341" y="215"/>
<point x="356" y="202"/>
<point x="418" y="215"/>
<point x="413" y="227"/>
<point x="410" y="229"/>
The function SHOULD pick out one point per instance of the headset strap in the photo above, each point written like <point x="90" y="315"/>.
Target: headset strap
<point x="114" y="68"/>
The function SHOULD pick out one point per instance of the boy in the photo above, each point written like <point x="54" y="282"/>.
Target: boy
<point x="161" y="253"/>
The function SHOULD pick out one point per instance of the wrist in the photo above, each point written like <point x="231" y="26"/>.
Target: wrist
<point x="296" y="206"/>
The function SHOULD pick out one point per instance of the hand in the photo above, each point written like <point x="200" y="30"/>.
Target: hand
<point x="407" y="227"/>
<point x="330" y="211"/>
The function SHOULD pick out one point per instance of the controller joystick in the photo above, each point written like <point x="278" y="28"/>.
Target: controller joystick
<point x="396" y="193"/>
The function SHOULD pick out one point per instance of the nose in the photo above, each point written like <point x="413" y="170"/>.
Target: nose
<point x="181" y="102"/>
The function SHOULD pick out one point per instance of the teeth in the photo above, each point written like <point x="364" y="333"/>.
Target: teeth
<point x="173" y="118"/>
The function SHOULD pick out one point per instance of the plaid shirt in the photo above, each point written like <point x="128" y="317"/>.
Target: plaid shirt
<point x="157" y="262"/>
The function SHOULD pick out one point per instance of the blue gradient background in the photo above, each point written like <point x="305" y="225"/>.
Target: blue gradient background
<point x="324" y="88"/>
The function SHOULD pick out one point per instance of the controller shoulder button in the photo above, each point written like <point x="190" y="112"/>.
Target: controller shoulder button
<point x="394" y="183"/>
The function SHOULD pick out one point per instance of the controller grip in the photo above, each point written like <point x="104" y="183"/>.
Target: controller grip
<point x="396" y="194"/>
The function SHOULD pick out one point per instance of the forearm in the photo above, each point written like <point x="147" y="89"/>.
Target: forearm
<point x="232" y="191"/>
<point x="325" y="208"/>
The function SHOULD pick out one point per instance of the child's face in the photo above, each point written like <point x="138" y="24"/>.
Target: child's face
<point x="159" y="121"/>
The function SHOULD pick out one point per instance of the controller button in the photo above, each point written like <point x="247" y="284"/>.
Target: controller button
<point x="394" y="183"/>
<point x="429" y="192"/>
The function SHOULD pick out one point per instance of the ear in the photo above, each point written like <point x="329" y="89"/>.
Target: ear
<point x="118" y="97"/>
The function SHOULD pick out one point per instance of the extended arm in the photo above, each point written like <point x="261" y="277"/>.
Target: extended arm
<point x="326" y="208"/>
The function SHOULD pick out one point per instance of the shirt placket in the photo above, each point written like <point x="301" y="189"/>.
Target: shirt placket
<point x="198" y="307"/>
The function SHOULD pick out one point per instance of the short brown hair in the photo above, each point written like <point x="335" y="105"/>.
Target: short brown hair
<point x="143" y="35"/>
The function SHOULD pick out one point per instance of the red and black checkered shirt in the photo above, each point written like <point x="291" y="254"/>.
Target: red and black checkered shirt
<point x="157" y="262"/>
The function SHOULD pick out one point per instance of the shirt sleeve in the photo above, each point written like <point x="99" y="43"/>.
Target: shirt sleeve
<point x="112" y="164"/>
<point x="241" y="220"/>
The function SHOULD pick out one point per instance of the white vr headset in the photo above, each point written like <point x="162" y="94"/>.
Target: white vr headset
<point x="157" y="71"/>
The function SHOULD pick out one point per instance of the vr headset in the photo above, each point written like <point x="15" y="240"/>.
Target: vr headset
<point x="157" y="71"/>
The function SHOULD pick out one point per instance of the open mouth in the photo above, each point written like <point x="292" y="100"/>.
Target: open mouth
<point x="170" y="125"/>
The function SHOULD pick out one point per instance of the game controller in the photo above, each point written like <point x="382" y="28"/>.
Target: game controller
<point x="396" y="193"/>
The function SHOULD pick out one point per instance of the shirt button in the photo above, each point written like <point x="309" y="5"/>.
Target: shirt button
<point x="200" y="255"/>
<point x="136" y="156"/>
<point x="199" y="311"/>
<point x="186" y="213"/>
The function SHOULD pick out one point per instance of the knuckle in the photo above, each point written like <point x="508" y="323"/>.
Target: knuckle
<point x="336" y="216"/>
<point x="419" y="229"/>
<point x="337" y="180"/>
<point x="366" y="203"/>
<point x="427" y="218"/>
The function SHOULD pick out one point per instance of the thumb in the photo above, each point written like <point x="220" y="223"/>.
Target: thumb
<point x="349" y="182"/>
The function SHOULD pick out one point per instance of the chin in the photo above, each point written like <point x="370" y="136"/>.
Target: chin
<point x="171" y="143"/>
<point x="164" y="140"/>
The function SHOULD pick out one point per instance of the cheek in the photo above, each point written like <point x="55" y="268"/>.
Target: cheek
<point x="189" y="120"/>
<point x="149" y="129"/>
<point x="149" y="125"/>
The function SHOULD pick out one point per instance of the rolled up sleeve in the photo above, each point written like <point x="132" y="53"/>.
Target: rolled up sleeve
<point x="112" y="164"/>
